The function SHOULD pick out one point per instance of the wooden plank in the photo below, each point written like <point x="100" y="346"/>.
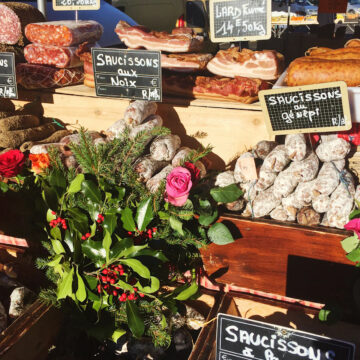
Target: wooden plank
<point x="285" y="259"/>
<point x="240" y="129"/>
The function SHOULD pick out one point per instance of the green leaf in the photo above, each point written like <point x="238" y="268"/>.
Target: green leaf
<point x="120" y="246"/>
<point x="354" y="255"/>
<point x="117" y="334"/>
<point x="91" y="191"/>
<point x="154" y="286"/>
<point x="176" y="225"/>
<point x="188" y="292"/>
<point x="81" y="289"/>
<point x="226" y="194"/>
<point x="4" y="187"/>
<point x="351" y="243"/>
<point x="68" y="240"/>
<point x="56" y="260"/>
<point x="57" y="246"/>
<point x="153" y="253"/>
<point x="121" y="193"/>
<point x="186" y="212"/>
<point x="163" y="215"/>
<point x="94" y="251"/>
<point x="55" y="233"/>
<point x="50" y="216"/>
<point x="50" y="197"/>
<point x="91" y="281"/>
<point x="324" y="314"/>
<point x="137" y="266"/>
<point x="125" y="286"/>
<point x="219" y="234"/>
<point x="354" y="214"/>
<point x="128" y="220"/>
<point x="56" y="178"/>
<point x="134" y="320"/>
<point x="79" y="219"/>
<point x="65" y="287"/>
<point x="110" y="223"/>
<point x="207" y="220"/>
<point x="205" y="205"/>
<point x="75" y="185"/>
<point x="106" y="244"/>
<point x="144" y="214"/>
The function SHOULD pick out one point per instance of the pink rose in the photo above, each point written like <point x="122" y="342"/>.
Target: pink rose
<point x="178" y="185"/>
<point x="353" y="225"/>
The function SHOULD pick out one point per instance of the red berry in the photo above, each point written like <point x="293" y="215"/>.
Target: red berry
<point x="105" y="271"/>
<point x="99" y="288"/>
<point x="141" y="295"/>
<point x="112" y="281"/>
<point x="64" y="227"/>
<point x="106" y="286"/>
<point x="114" y="292"/>
<point x="117" y="288"/>
<point x="121" y="272"/>
<point x="83" y="238"/>
<point x="98" y="221"/>
<point x="108" y="278"/>
<point x="135" y="289"/>
<point x="53" y="212"/>
<point x="131" y="297"/>
<point x="87" y="235"/>
<point x="129" y="232"/>
<point x="104" y="279"/>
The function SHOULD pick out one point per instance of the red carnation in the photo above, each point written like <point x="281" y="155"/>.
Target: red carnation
<point x="194" y="171"/>
<point x="11" y="163"/>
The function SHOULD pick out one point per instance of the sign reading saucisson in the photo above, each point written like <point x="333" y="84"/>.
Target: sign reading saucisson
<point x="240" y="20"/>
<point x="306" y="109"/>
<point x="60" y="5"/>
<point x="238" y="338"/>
<point x="8" y="88"/>
<point x="132" y="74"/>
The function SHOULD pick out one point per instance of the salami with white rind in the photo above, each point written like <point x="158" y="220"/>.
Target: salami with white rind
<point x="263" y="148"/>
<point x="265" y="202"/>
<point x="295" y="146"/>
<point x="235" y="205"/>
<point x="180" y="156"/>
<point x="304" y="193"/>
<point x="321" y="203"/>
<point x="151" y="123"/>
<point x="154" y="183"/>
<point x="117" y="129"/>
<point x="307" y="169"/>
<point x="147" y="167"/>
<point x="285" y="183"/>
<point x="239" y="177"/>
<point x="276" y="160"/>
<point x="138" y="111"/>
<point x="328" y="178"/>
<point x="265" y="180"/>
<point x="225" y="178"/>
<point x="333" y="150"/>
<point x="164" y="147"/>
<point x="279" y="214"/>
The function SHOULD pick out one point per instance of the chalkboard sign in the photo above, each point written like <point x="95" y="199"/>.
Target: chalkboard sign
<point x="238" y="338"/>
<point x="61" y="5"/>
<point x="8" y="87"/>
<point x="132" y="74"/>
<point x="306" y="109"/>
<point x="240" y="20"/>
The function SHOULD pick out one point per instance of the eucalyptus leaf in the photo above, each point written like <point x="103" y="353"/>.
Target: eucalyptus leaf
<point x="176" y="225"/>
<point x="226" y="194"/>
<point x="137" y="266"/>
<point x="219" y="234"/>
<point x="128" y="220"/>
<point x="65" y="286"/>
<point x="75" y="185"/>
<point x="188" y="292"/>
<point x="351" y="243"/>
<point x="57" y="246"/>
<point x="81" y="289"/>
<point x="144" y="214"/>
<point x="134" y="320"/>
<point x="91" y="191"/>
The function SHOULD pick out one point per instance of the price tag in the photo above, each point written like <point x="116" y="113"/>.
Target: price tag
<point x="240" y="20"/>
<point x="238" y="338"/>
<point x="248" y="168"/>
<point x="61" y="5"/>
<point x="132" y="74"/>
<point x="8" y="88"/>
<point x="306" y="109"/>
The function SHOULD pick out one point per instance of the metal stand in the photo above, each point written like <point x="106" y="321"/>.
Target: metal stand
<point x="41" y="4"/>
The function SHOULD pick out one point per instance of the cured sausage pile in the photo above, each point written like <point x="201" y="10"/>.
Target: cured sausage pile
<point x="323" y="65"/>
<point x="14" y="16"/>
<point x="240" y="74"/>
<point x="52" y="56"/>
<point x="296" y="183"/>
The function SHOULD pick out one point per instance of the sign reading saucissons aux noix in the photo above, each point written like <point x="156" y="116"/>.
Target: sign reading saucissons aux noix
<point x="132" y="74"/>
<point x="238" y="338"/>
<point x="60" y="5"/>
<point x="8" y="88"/>
<point x="306" y="109"/>
<point x="240" y="20"/>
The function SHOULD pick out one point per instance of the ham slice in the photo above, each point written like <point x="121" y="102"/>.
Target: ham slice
<point x="185" y="62"/>
<point x="265" y="65"/>
<point x="136" y="37"/>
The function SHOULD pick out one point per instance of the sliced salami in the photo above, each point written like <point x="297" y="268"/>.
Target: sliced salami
<point x="32" y="76"/>
<point x="64" y="33"/>
<point x="59" y="56"/>
<point x="14" y="16"/>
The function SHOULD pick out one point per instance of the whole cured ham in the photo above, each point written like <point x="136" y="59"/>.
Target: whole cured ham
<point x="32" y="76"/>
<point x="14" y="16"/>
<point x="64" y="32"/>
<point x="265" y="65"/>
<point x="59" y="56"/>
<point x="180" y="41"/>
<point x="240" y="89"/>
<point x="185" y="62"/>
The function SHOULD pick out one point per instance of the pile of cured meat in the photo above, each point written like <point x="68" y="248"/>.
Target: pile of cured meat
<point x="52" y="59"/>
<point x="323" y="65"/>
<point x="297" y="183"/>
<point x="239" y="75"/>
<point x="14" y="16"/>
<point x="165" y="152"/>
<point x="23" y="127"/>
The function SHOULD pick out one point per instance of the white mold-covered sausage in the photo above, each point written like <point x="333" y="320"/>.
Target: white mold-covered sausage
<point x="263" y="148"/>
<point x="225" y="178"/>
<point x="164" y="147"/>
<point x="276" y="160"/>
<point x="138" y="111"/>
<point x="295" y="146"/>
<point x="333" y="150"/>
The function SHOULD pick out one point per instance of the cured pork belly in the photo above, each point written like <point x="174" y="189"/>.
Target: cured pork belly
<point x="265" y="65"/>
<point x="185" y="62"/>
<point x="180" y="41"/>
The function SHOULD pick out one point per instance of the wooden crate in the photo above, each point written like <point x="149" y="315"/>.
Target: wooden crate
<point x="241" y="125"/>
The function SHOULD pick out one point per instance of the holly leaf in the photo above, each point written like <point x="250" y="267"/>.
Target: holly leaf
<point x="134" y="320"/>
<point x="176" y="225"/>
<point x="91" y="191"/>
<point x="121" y="192"/>
<point x="152" y="253"/>
<point x="106" y="244"/>
<point x="154" y="286"/>
<point x="219" y="234"/>
<point x="79" y="219"/>
<point x="81" y="289"/>
<point x="75" y="185"/>
<point x="354" y="214"/>
<point x="55" y="233"/>
<point x="65" y="286"/>
<point x="50" y="216"/>
<point x="349" y="244"/>
<point x="120" y="246"/>
<point x="57" y="179"/>
<point x="354" y="255"/>
<point x="137" y="266"/>
<point x="188" y="292"/>
<point x="144" y="214"/>
<point x="128" y="220"/>
<point x="110" y="223"/>
<point x="56" y="260"/>
<point x="94" y="251"/>
<point x="117" y="334"/>
<point x="57" y="246"/>
<point x="226" y="194"/>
